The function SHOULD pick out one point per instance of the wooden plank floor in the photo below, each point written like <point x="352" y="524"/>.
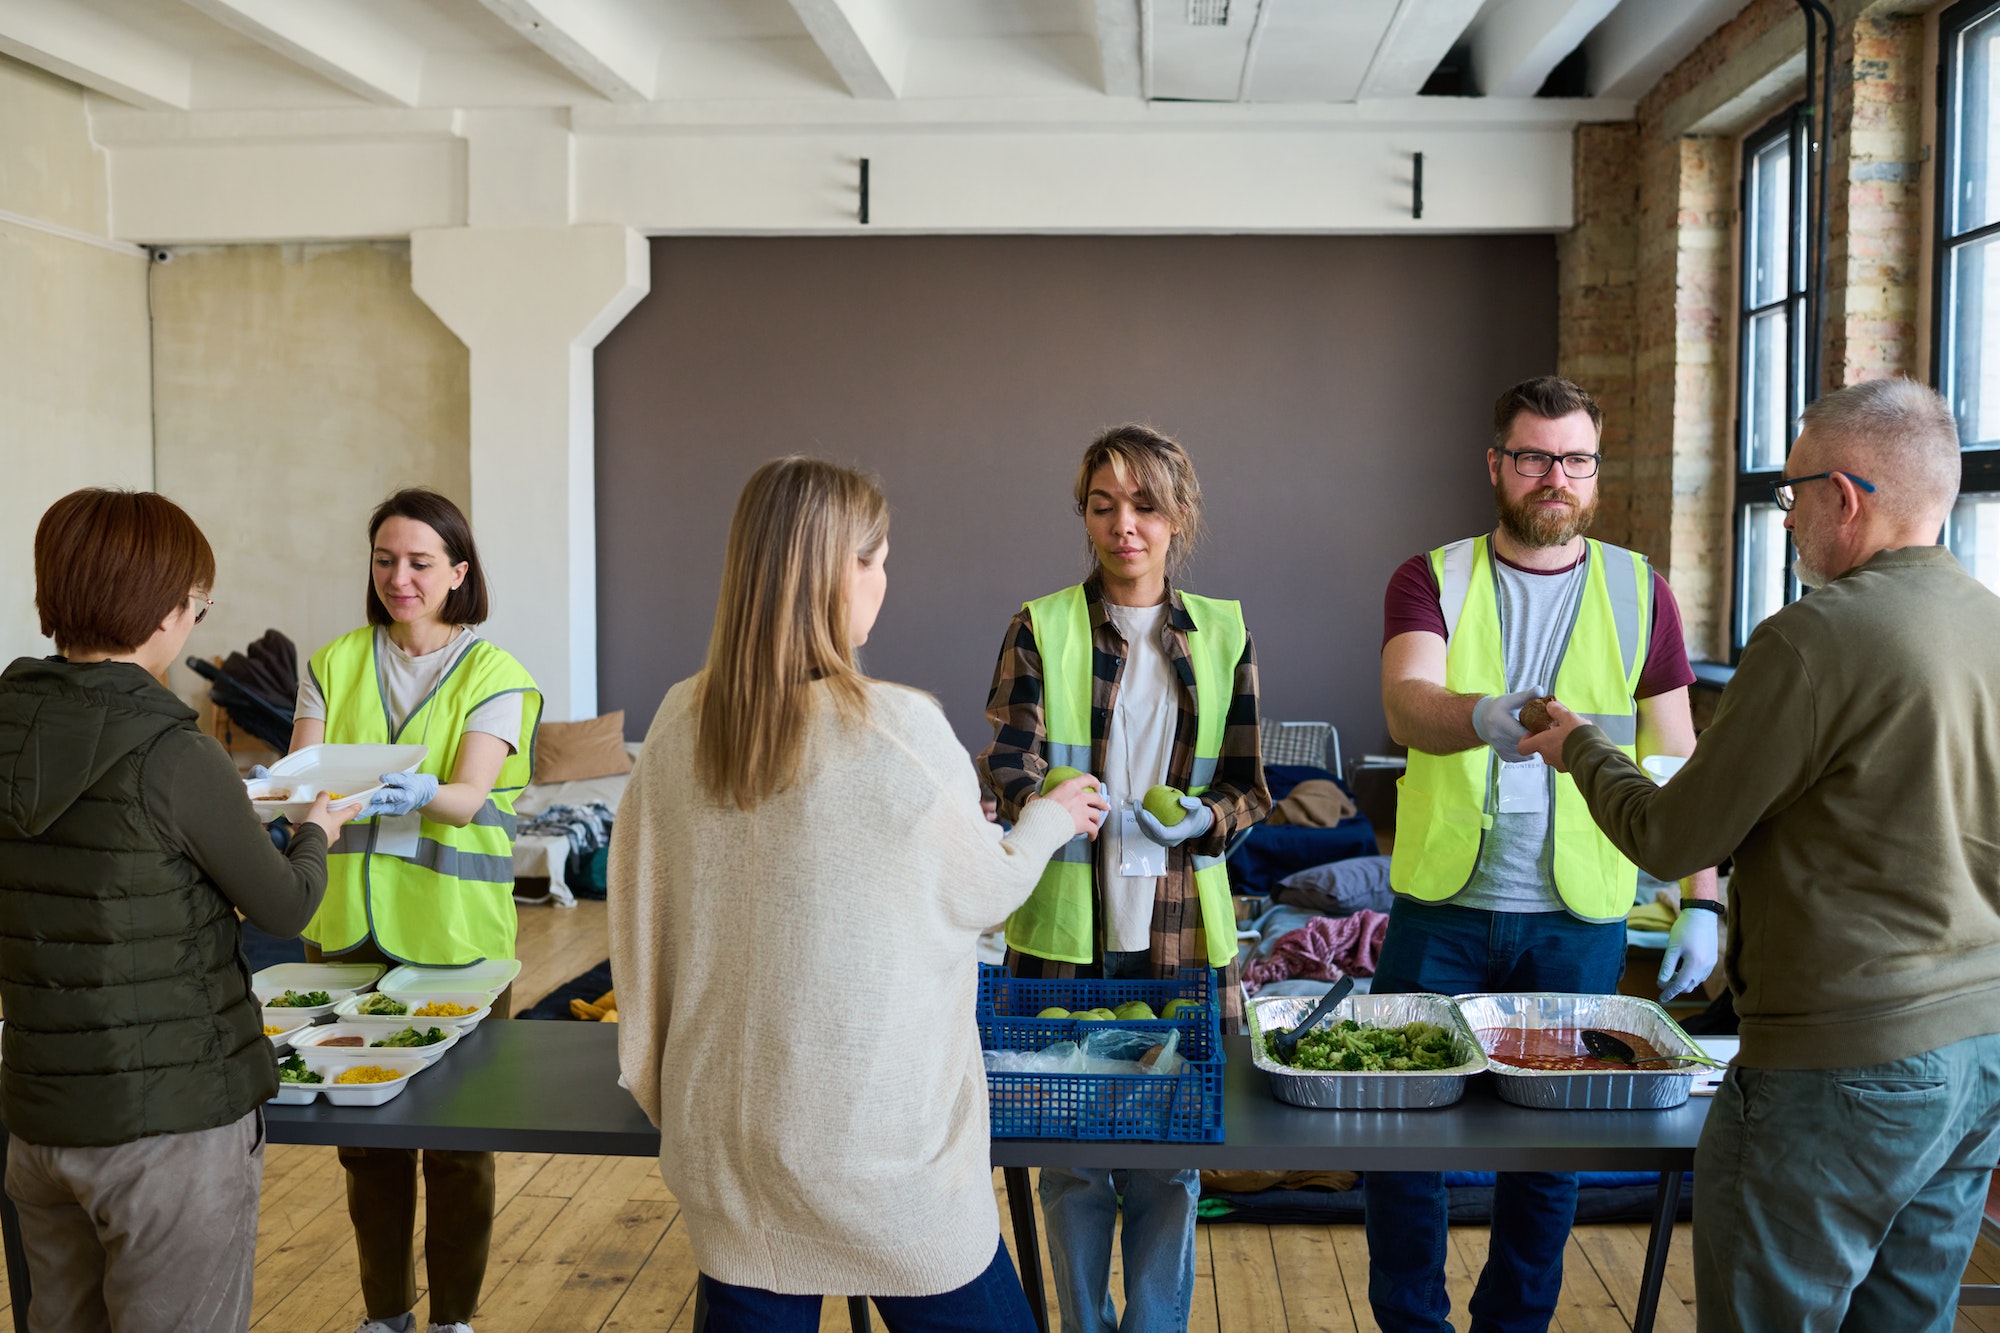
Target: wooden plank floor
<point x="585" y="1243"/>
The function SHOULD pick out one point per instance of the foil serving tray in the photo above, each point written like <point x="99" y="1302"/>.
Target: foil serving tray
<point x="1366" y="1091"/>
<point x="1650" y="1088"/>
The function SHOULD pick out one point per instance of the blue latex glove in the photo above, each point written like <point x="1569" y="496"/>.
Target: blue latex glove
<point x="1496" y="719"/>
<point x="1197" y="821"/>
<point x="258" y="771"/>
<point x="401" y="794"/>
<point x="1692" y="946"/>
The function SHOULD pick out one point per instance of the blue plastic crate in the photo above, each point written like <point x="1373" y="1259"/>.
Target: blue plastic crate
<point x="1185" y="1108"/>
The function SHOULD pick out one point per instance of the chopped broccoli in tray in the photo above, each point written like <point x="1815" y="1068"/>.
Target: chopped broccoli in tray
<point x="292" y="999"/>
<point x="378" y="1003"/>
<point x="1348" y="1047"/>
<point x="294" y="1071"/>
<point x="411" y="1037"/>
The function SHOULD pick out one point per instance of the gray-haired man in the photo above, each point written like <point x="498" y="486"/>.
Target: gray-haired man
<point x="1853" y="771"/>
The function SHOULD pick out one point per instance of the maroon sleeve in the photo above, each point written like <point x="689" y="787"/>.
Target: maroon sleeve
<point x="1667" y="666"/>
<point x="1411" y="603"/>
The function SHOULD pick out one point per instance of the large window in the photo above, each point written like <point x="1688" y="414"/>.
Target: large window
<point x="1967" y="334"/>
<point x="1771" y="361"/>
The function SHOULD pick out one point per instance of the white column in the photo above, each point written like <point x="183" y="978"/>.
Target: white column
<point x="530" y="304"/>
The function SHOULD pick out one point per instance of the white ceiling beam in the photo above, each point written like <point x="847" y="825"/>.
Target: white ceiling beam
<point x="1420" y="35"/>
<point x="341" y="42"/>
<point x="1116" y="27"/>
<point x="605" y="43"/>
<point x="866" y="41"/>
<point x="1515" y="43"/>
<point x="86" y="47"/>
<point x="1630" y="50"/>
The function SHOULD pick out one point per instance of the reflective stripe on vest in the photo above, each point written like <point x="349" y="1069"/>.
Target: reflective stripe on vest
<point x="449" y="902"/>
<point x="1059" y="920"/>
<point x="1444" y="803"/>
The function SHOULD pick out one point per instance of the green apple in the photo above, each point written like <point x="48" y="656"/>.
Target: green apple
<point x="1135" y="1011"/>
<point x="1097" y="1016"/>
<point x="1175" y="1008"/>
<point x="1060" y="774"/>
<point x="1054" y="1011"/>
<point x="1164" y="804"/>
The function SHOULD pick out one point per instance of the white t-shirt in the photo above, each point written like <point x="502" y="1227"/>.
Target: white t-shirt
<point x="407" y="681"/>
<point x="1137" y="749"/>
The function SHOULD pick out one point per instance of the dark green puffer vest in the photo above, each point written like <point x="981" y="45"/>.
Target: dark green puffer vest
<point x="127" y="997"/>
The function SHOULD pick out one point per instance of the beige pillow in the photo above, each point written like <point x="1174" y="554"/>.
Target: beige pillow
<point x="574" y="751"/>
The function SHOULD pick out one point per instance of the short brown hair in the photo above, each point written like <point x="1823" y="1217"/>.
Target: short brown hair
<point x="1157" y="468"/>
<point x="465" y="604"/>
<point x="110" y="566"/>
<point x="1550" y="397"/>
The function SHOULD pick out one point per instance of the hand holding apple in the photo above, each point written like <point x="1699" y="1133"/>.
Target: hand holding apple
<point x="1080" y="796"/>
<point x="1170" y="819"/>
<point x="1549" y="743"/>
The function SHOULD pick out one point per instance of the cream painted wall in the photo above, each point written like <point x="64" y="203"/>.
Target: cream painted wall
<point x="74" y="395"/>
<point x="297" y="386"/>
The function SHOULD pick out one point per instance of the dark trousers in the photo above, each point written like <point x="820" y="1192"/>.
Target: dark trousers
<point x="990" y="1303"/>
<point x="1447" y="950"/>
<point x="458" y="1211"/>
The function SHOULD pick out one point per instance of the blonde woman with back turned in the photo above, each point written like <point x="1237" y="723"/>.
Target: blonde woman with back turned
<point x="823" y="1121"/>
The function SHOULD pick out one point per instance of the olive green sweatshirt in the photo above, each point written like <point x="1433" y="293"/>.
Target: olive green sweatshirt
<point x="1853" y="772"/>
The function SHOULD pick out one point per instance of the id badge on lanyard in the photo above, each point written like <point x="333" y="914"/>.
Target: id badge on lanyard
<point x="1524" y="787"/>
<point x="396" y="835"/>
<point x="1139" y="856"/>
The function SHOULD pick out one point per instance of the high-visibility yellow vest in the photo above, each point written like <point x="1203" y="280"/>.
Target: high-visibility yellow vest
<point x="451" y="902"/>
<point x="1059" y="920"/>
<point x="1445" y="802"/>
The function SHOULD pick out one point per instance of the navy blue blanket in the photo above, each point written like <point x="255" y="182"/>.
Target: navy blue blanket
<point x="1272" y="852"/>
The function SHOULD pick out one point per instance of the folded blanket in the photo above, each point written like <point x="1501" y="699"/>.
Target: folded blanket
<point x="1324" y="949"/>
<point x="604" y="1010"/>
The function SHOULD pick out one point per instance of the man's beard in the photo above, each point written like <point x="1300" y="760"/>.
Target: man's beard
<point x="1528" y="523"/>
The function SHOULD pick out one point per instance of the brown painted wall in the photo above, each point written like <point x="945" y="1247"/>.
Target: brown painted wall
<point x="1333" y="391"/>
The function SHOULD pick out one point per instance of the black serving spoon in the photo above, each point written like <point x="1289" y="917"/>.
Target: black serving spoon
<point x="1605" y="1046"/>
<point x="1286" y="1044"/>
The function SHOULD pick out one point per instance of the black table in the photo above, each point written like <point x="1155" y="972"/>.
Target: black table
<point x="551" y="1088"/>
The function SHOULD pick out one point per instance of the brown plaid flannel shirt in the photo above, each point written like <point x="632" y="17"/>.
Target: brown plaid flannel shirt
<point x="1013" y="766"/>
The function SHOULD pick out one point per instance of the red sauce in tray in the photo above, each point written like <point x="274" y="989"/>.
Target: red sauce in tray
<point x="1559" y="1049"/>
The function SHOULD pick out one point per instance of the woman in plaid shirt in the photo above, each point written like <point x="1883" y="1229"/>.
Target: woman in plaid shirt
<point x="1139" y="903"/>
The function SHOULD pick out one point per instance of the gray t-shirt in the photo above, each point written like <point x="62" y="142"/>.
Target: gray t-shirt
<point x="1537" y="611"/>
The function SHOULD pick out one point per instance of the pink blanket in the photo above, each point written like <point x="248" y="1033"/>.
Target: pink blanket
<point x="1323" y="949"/>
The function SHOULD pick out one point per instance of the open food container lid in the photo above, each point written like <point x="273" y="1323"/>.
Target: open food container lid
<point x="346" y="771"/>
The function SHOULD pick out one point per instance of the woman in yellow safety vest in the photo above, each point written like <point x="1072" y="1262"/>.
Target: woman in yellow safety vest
<point x="1127" y="677"/>
<point x="425" y="874"/>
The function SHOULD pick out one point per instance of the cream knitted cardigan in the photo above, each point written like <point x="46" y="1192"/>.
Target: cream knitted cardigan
<point x="796" y="990"/>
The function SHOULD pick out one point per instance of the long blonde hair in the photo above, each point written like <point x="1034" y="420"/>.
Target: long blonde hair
<point x="781" y="623"/>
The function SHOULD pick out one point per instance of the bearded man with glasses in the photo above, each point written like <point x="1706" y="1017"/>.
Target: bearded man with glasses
<point x="1503" y="882"/>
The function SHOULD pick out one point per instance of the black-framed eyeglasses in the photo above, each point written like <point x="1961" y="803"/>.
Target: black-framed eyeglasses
<point x="1534" y="463"/>
<point x="1782" y="491"/>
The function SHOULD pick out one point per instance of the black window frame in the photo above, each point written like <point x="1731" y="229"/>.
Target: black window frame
<point x="1979" y="467"/>
<point x="1756" y="487"/>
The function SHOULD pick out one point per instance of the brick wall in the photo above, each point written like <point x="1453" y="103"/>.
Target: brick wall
<point x="1656" y="199"/>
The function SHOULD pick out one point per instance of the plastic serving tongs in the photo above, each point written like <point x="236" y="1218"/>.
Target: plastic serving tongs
<point x="1286" y="1044"/>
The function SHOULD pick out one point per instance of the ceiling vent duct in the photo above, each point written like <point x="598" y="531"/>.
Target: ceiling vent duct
<point x="1208" y="13"/>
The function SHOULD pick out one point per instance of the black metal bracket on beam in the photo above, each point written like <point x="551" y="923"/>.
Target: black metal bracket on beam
<point x="1417" y="186"/>
<point x="863" y="215"/>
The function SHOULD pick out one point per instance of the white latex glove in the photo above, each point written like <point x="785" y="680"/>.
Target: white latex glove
<point x="1692" y="945"/>
<point x="1496" y="719"/>
<point x="1197" y="821"/>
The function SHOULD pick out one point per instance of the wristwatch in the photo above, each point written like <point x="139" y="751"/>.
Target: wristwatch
<point x="1702" y="905"/>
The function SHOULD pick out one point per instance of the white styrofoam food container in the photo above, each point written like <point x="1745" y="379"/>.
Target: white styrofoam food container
<point x="354" y="771"/>
<point x="330" y="1066"/>
<point x="291" y="1020"/>
<point x="479" y="1002"/>
<point x="266" y="994"/>
<point x="351" y="977"/>
<point x="492" y="976"/>
<point x="314" y="1040"/>
<point x="348" y="1011"/>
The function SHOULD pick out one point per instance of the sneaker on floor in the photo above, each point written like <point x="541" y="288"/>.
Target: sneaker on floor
<point x="402" y="1323"/>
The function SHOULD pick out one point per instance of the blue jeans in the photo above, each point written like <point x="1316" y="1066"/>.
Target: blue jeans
<point x="1449" y="950"/>
<point x="990" y="1303"/>
<point x="1080" y="1209"/>
<point x="1845" y="1198"/>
